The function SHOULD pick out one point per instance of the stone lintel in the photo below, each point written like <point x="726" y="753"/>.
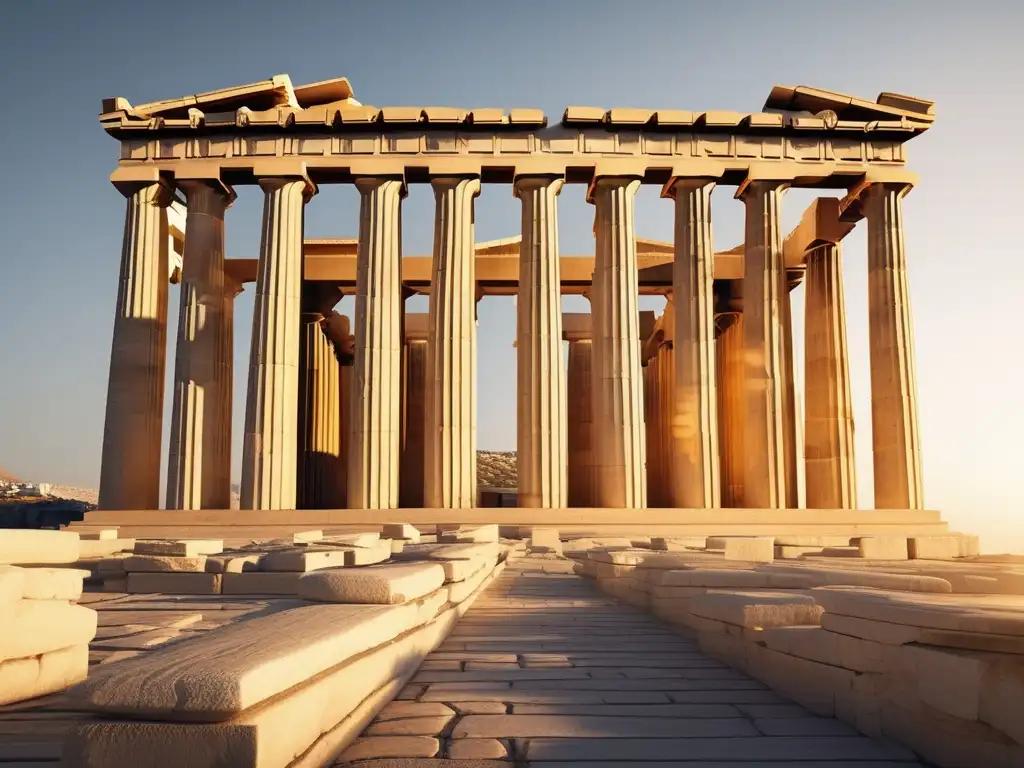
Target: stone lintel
<point x="851" y="206"/>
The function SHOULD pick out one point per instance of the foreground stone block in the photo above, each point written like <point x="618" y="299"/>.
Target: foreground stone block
<point x="25" y="547"/>
<point x="678" y="543"/>
<point x="385" y="584"/>
<point x="53" y="583"/>
<point x="49" y="672"/>
<point x="164" y="563"/>
<point x="179" y="548"/>
<point x="100" y="535"/>
<point x="813" y="541"/>
<point x="221" y="674"/>
<point x="33" y="627"/>
<point x="175" y="583"/>
<point x="234" y="562"/>
<point x="255" y="583"/>
<point x="882" y="547"/>
<point x="759" y="549"/>
<point x="482" y="533"/>
<point x="934" y="547"/>
<point x="333" y="708"/>
<point x="103" y="547"/>
<point x="545" y="540"/>
<point x="311" y="559"/>
<point x="757" y="609"/>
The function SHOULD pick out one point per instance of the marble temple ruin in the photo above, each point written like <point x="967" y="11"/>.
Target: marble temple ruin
<point x="697" y="410"/>
<point x="688" y="579"/>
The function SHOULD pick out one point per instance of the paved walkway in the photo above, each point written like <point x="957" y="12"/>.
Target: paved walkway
<point x="548" y="671"/>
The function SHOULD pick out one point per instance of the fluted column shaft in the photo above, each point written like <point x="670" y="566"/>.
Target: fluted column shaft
<point x="224" y="388"/>
<point x="830" y="467"/>
<point x="731" y="375"/>
<point x="377" y="374"/>
<point x="196" y="478"/>
<point x="652" y="431"/>
<point x="319" y="432"/>
<point x="791" y="436"/>
<point x="620" y="461"/>
<point x="413" y="411"/>
<point x="894" y="422"/>
<point x="694" y="477"/>
<point x="580" y="424"/>
<point x="764" y="297"/>
<point x="271" y="445"/>
<point x="541" y="395"/>
<point x="130" y="469"/>
<point x="450" y="463"/>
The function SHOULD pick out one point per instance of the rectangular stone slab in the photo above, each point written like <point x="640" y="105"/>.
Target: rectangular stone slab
<point x="252" y="583"/>
<point x="401" y="531"/>
<point x="38" y="547"/>
<point x="174" y="583"/>
<point x="269" y="736"/>
<point x="50" y="672"/>
<point x="179" y="619"/>
<point x="103" y="547"/>
<point x="383" y="584"/>
<point x="53" y="583"/>
<point x="305" y="559"/>
<point x="40" y="626"/>
<point x="179" y="548"/>
<point x="221" y="674"/>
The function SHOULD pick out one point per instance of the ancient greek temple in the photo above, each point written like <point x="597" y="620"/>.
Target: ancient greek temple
<point x="696" y="409"/>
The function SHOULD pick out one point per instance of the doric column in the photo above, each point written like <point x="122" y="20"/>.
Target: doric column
<point x="620" y="460"/>
<point x="894" y="423"/>
<point x="652" y="431"/>
<point x="791" y="455"/>
<point x="580" y="422"/>
<point x="414" y="390"/>
<point x="196" y="478"/>
<point x="374" y="442"/>
<point x="830" y="467"/>
<point x="339" y="336"/>
<point x="450" y="444"/>
<point x="318" y="415"/>
<point x="130" y="470"/>
<point x="764" y="296"/>
<point x="225" y="387"/>
<point x="694" y="477"/>
<point x="541" y="432"/>
<point x="731" y="375"/>
<point x="270" y="445"/>
<point x="666" y="426"/>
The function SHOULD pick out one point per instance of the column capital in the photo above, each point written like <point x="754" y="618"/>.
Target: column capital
<point x="677" y="183"/>
<point x="471" y="184"/>
<point x="129" y="181"/>
<point x="523" y="182"/>
<point x="307" y="318"/>
<point x="630" y="183"/>
<point x="853" y="207"/>
<point x="274" y="183"/>
<point x="752" y="186"/>
<point x="194" y="187"/>
<point x="366" y="184"/>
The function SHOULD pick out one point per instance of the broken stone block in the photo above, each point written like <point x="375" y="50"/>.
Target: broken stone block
<point x="45" y="673"/>
<point x="882" y="547"/>
<point x="812" y="541"/>
<point x="401" y="531"/>
<point x="36" y="547"/>
<point x="383" y="584"/>
<point x="179" y="548"/>
<point x="757" y="609"/>
<point x="221" y="674"/>
<point x="545" y="540"/>
<point x="164" y="564"/>
<point x="103" y="547"/>
<point x="174" y="583"/>
<point x="479" y="534"/>
<point x="305" y="559"/>
<point x="368" y="539"/>
<point x="234" y="562"/>
<point x="53" y="583"/>
<point x="256" y="583"/>
<point x="304" y="537"/>
<point x="100" y="535"/>
<point x="41" y="626"/>
<point x="756" y="549"/>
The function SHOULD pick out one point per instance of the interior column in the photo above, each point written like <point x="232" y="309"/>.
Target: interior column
<point x="731" y="374"/>
<point x="413" y="410"/>
<point x="830" y="466"/>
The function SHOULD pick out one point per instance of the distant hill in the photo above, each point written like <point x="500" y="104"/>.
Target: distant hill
<point x="7" y="476"/>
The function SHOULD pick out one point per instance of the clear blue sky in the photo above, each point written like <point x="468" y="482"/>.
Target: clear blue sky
<point x="61" y="221"/>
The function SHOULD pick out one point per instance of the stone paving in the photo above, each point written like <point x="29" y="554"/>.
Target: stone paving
<point x="547" y="671"/>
